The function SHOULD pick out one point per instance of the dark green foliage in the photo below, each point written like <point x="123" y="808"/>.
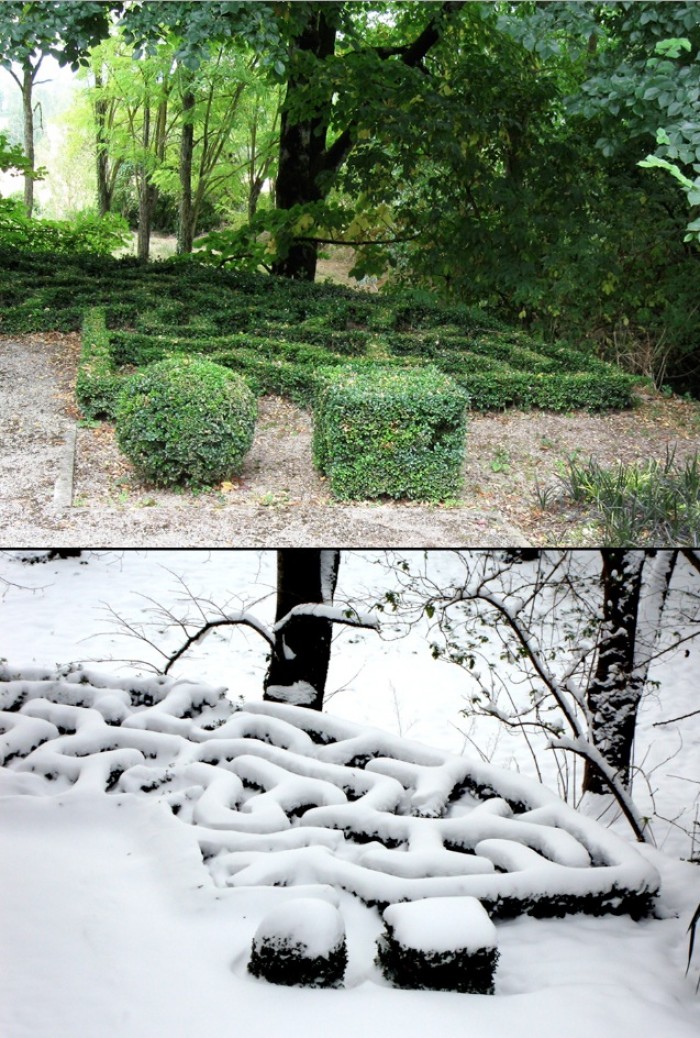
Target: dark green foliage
<point x="651" y="503"/>
<point x="284" y="963"/>
<point x="467" y="972"/>
<point x="98" y="384"/>
<point x="390" y="431"/>
<point x="506" y="388"/>
<point x="186" y="421"/>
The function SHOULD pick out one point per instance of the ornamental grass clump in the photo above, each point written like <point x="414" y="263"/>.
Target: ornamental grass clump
<point x="186" y="421"/>
<point x="654" y="502"/>
<point x="390" y="431"/>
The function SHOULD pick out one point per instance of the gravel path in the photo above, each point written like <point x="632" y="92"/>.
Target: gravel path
<point x="279" y="499"/>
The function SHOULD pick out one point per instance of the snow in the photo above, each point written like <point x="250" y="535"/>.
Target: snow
<point x="301" y="693"/>
<point x="336" y="614"/>
<point x="314" y="925"/>
<point x="446" y="924"/>
<point x="115" y="926"/>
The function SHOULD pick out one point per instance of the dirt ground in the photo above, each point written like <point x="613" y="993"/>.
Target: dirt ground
<point x="279" y="499"/>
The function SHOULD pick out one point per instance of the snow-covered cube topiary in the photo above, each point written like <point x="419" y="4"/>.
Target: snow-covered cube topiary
<point x="301" y="943"/>
<point x="442" y="943"/>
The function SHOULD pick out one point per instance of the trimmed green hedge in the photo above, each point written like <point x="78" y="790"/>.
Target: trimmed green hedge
<point x="511" y="376"/>
<point x="387" y="431"/>
<point x="98" y="383"/>
<point x="186" y="421"/>
<point x="277" y="332"/>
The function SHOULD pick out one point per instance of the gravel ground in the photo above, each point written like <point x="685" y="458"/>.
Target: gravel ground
<point x="279" y="500"/>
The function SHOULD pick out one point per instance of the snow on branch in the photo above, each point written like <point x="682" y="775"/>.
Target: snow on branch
<point x="336" y="614"/>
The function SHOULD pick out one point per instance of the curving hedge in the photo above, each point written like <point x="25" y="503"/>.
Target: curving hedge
<point x="277" y="332"/>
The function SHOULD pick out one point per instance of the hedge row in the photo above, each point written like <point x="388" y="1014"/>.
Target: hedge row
<point x="98" y="382"/>
<point x="38" y="290"/>
<point x="277" y="332"/>
<point x="287" y="367"/>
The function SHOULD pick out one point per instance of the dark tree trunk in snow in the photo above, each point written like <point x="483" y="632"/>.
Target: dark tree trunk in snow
<point x="299" y="665"/>
<point x="634" y="585"/>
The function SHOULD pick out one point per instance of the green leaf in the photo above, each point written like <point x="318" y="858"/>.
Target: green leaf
<point x="672" y="48"/>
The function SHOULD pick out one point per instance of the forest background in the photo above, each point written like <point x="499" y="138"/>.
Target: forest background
<point x="537" y="160"/>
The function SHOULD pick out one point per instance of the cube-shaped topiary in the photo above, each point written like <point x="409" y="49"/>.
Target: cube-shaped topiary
<point x="186" y="421"/>
<point x="439" y="943"/>
<point x="393" y="431"/>
<point x="301" y="943"/>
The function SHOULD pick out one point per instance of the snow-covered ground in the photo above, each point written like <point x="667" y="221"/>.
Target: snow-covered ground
<point x="113" y="926"/>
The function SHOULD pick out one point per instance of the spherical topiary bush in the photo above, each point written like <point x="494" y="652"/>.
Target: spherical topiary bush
<point x="186" y="421"/>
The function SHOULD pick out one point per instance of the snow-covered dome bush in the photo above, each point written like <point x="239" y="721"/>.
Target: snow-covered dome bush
<point x="301" y="943"/>
<point x="280" y="795"/>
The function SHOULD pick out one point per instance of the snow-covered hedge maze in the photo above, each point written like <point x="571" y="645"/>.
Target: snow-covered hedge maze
<point x="282" y="795"/>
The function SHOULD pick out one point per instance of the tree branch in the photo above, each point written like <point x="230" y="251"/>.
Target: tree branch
<point x="583" y="748"/>
<point x="242" y="619"/>
<point x="671" y="720"/>
<point x="411" y="54"/>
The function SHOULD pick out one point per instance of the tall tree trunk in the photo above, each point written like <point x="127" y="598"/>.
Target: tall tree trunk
<point x="146" y="197"/>
<point x="28" y="76"/>
<point x="306" y="165"/>
<point x="299" y="664"/>
<point x="302" y="154"/>
<point x="101" y="106"/>
<point x="185" y="226"/>
<point x="148" y="191"/>
<point x="634" y="587"/>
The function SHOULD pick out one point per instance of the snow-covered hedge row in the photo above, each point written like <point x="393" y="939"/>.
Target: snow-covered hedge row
<point x="281" y="795"/>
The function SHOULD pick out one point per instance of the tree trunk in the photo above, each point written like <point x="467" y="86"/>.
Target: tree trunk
<point x="634" y="586"/>
<point x="306" y="165"/>
<point x="28" y="74"/>
<point x="104" y="191"/>
<point x="185" y="228"/>
<point x="302" y="154"/>
<point x="147" y="202"/>
<point x="255" y="187"/>
<point x="299" y="664"/>
<point x="148" y="191"/>
<point x="146" y="198"/>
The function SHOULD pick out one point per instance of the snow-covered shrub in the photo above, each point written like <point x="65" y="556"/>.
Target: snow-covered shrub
<point x="186" y="421"/>
<point x="446" y="944"/>
<point x="280" y="795"/>
<point x="301" y="943"/>
<point x="390" y="431"/>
